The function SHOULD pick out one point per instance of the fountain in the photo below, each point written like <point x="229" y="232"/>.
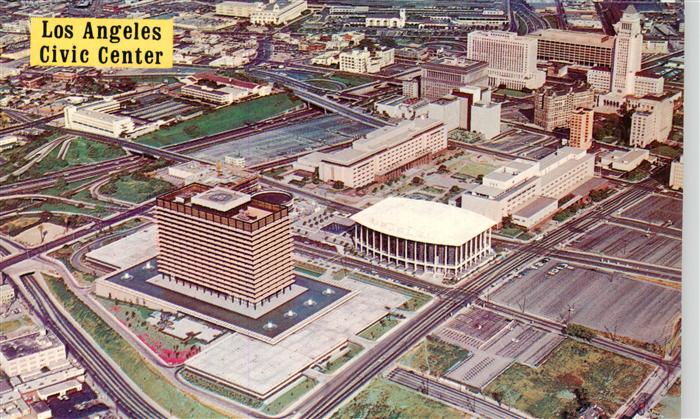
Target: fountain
<point x="269" y="326"/>
<point x="310" y="302"/>
<point x="328" y="291"/>
<point x="289" y="314"/>
<point x="126" y="276"/>
<point x="148" y="266"/>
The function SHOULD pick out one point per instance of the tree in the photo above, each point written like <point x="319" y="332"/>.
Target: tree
<point x="388" y="42"/>
<point x="60" y="183"/>
<point x="625" y="113"/>
<point x="338" y="184"/>
<point x="417" y="180"/>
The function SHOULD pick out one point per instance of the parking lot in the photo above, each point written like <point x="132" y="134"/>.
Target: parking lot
<point x="523" y="144"/>
<point x="657" y="209"/>
<point x="608" y="302"/>
<point x="281" y="142"/>
<point x="628" y="243"/>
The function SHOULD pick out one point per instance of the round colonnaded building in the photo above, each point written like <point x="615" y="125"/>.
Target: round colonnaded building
<point x="423" y="236"/>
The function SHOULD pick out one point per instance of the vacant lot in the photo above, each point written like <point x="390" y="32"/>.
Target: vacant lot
<point x="627" y="243"/>
<point x="434" y="356"/>
<point x="573" y="371"/>
<point x="657" y="209"/>
<point x="383" y="399"/>
<point x="599" y="300"/>
<point x="223" y="119"/>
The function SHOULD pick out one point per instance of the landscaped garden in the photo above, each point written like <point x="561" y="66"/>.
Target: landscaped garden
<point x="147" y="377"/>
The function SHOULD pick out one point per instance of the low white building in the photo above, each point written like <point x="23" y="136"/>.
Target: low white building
<point x="7" y="293"/>
<point x="95" y="118"/>
<point x="401" y="107"/>
<point x="386" y="20"/>
<point x="28" y="354"/>
<point x="624" y="160"/>
<point x="381" y="155"/>
<point x="512" y="187"/>
<point x="364" y="61"/>
<point x="278" y="12"/>
<point x="8" y="141"/>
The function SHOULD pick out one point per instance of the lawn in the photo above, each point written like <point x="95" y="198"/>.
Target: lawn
<point x="147" y="377"/>
<point x="380" y="327"/>
<point x="352" y="350"/>
<point x="61" y="187"/>
<point x="351" y="81"/>
<point x="574" y="374"/>
<point x="384" y="399"/>
<point x="99" y="211"/>
<point x="290" y="396"/>
<point x="15" y="157"/>
<point x="135" y="187"/>
<point x="666" y="151"/>
<point x="80" y="151"/>
<point x="223" y="119"/>
<point x="309" y="269"/>
<point x="511" y="93"/>
<point x="434" y="356"/>
<point x="475" y="169"/>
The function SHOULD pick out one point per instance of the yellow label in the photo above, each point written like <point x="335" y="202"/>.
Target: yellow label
<point x="97" y="42"/>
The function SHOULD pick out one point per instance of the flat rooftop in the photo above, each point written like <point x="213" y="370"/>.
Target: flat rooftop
<point x="129" y="250"/>
<point x="221" y="205"/>
<point x="28" y="345"/>
<point x="575" y="37"/>
<point x="423" y="221"/>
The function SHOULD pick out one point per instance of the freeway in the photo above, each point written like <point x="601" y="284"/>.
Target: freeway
<point x="134" y="147"/>
<point x="126" y="396"/>
<point x="449" y="395"/>
<point x="449" y="302"/>
<point x="72" y="174"/>
<point x="298" y="191"/>
<point x="97" y="225"/>
<point x="306" y="92"/>
<point x="30" y="124"/>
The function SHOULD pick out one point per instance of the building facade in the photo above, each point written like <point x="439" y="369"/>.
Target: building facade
<point x="224" y="242"/>
<point x="278" y="12"/>
<point x="365" y="61"/>
<point x="512" y="60"/>
<point x="520" y="183"/>
<point x="556" y="104"/>
<point x="627" y="53"/>
<point x="442" y="76"/>
<point x="423" y="236"/>
<point x="584" y="48"/>
<point x="581" y="129"/>
<point x="95" y="118"/>
<point x="31" y="353"/>
<point x="675" y="180"/>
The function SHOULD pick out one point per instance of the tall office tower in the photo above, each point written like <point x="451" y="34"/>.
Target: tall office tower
<point x="585" y="48"/>
<point x="627" y="53"/>
<point x="442" y="76"/>
<point x="581" y="129"/>
<point x="512" y="59"/>
<point x="227" y="244"/>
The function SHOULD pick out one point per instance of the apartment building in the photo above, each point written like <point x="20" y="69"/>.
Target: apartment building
<point x="512" y="59"/>
<point x="217" y="242"/>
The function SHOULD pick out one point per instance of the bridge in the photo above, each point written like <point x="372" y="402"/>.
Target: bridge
<point x="307" y="93"/>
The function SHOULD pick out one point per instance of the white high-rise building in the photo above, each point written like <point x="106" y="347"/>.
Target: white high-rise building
<point x="627" y="53"/>
<point x="512" y="59"/>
